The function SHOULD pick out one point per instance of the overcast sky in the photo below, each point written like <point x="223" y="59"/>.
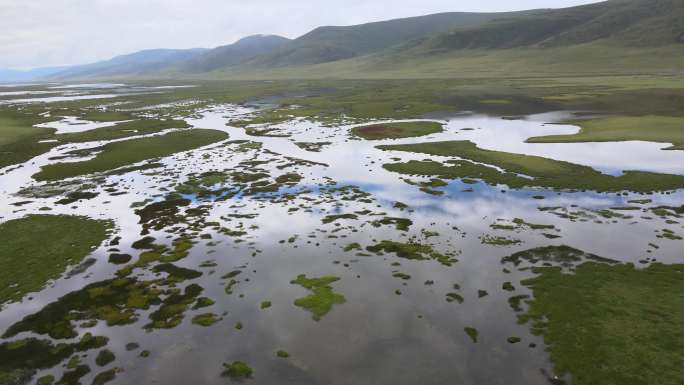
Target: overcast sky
<point x="37" y="33"/>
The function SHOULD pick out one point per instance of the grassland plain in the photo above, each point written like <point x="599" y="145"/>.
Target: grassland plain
<point x="122" y="130"/>
<point x="118" y="154"/>
<point x="643" y="101"/>
<point x="38" y="248"/>
<point x="631" y="322"/>
<point x="397" y="130"/>
<point x="545" y="172"/>
<point x="365" y="99"/>
<point x="590" y="59"/>
<point x="19" y="140"/>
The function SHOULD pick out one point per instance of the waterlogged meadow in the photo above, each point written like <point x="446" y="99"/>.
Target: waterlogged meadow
<point x="153" y="234"/>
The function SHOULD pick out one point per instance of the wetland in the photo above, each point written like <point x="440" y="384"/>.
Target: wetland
<point x="343" y="232"/>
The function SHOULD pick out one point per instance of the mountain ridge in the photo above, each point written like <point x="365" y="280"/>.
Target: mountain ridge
<point x="233" y="54"/>
<point x="612" y="30"/>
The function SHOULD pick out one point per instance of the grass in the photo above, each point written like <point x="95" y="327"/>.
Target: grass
<point x="590" y="59"/>
<point x="545" y="172"/>
<point x="322" y="299"/>
<point x="20" y="359"/>
<point x="414" y="251"/>
<point x="19" y="139"/>
<point x="122" y="130"/>
<point x="104" y="357"/>
<point x="15" y="127"/>
<point x="116" y="301"/>
<point x="105" y="377"/>
<point x="611" y="324"/>
<point x="584" y="59"/>
<point x="651" y="128"/>
<point x="206" y="319"/>
<point x="397" y="130"/>
<point x="472" y="333"/>
<point x="38" y="248"/>
<point x="119" y="154"/>
<point x="237" y="370"/>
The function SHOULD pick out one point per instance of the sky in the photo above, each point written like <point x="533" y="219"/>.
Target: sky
<point x="41" y="33"/>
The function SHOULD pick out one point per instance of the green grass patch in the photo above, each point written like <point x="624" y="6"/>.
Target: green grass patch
<point x="205" y="320"/>
<point x="105" y="377"/>
<point x="19" y="360"/>
<point x="611" y="324"/>
<point x="122" y="130"/>
<point x="104" y="357"/>
<point x="472" y="333"/>
<point x="652" y="128"/>
<point x="38" y="248"/>
<point x="119" y="154"/>
<point x="414" y="251"/>
<point x="322" y="299"/>
<point x="545" y="172"/>
<point x="237" y="370"/>
<point x="19" y="139"/>
<point x="397" y="130"/>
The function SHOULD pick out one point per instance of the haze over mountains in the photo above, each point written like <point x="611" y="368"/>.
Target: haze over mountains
<point x="612" y="32"/>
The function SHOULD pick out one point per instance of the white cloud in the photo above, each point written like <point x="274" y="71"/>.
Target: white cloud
<point x="59" y="32"/>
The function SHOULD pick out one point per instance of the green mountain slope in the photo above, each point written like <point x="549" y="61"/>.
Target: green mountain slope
<point x="611" y="37"/>
<point x="632" y="23"/>
<point x="326" y="44"/>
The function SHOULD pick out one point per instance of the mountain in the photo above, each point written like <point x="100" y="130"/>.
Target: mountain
<point x="630" y="23"/>
<point x="233" y="54"/>
<point x="610" y="37"/>
<point x="613" y="36"/>
<point x="326" y="44"/>
<point x="132" y="65"/>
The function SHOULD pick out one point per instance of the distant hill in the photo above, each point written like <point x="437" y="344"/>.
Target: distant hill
<point x="233" y="54"/>
<point x="326" y="44"/>
<point x="132" y="65"/>
<point x="15" y="76"/>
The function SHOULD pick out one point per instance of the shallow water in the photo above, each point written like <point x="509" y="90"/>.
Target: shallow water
<point x="19" y="93"/>
<point x="86" y="91"/>
<point x="72" y="124"/>
<point x="88" y="86"/>
<point x="376" y="336"/>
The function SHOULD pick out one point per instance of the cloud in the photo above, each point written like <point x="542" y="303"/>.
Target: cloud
<point x="64" y="32"/>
